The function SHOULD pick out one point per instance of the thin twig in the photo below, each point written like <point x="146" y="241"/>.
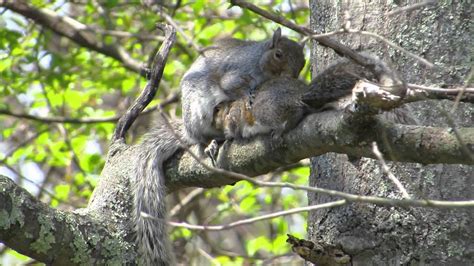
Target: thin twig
<point x="73" y="30"/>
<point x="64" y="120"/>
<point x="22" y="144"/>
<point x="389" y="173"/>
<point x="453" y="90"/>
<point x="393" y="45"/>
<point x="124" y="34"/>
<point x="67" y="120"/>
<point x="260" y="218"/>
<point x="323" y="38"/>
<point x="376" y="36"/>
<point x="188" y="40"/>
<point x="185" y="201"/>
<point x="409" y="8"/>
<point x="461" y="93"/>
<point x="208" y="257"/>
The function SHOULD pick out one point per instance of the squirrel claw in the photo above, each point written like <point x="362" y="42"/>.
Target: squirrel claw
<point x="212" y="150"/>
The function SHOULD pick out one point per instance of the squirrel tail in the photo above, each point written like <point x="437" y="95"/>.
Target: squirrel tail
<point x="149" y="194"/>
<point x="334" y="84"/>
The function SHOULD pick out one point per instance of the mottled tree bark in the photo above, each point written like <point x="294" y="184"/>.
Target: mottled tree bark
<point x="375" y="235"/>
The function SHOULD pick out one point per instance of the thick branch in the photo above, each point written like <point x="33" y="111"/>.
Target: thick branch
<point x="326" y="132"/>
<point x="73" y="30"/>
<point x="52" y="236"/>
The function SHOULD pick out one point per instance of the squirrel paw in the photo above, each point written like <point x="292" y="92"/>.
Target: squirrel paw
<point x="212" y="150"/>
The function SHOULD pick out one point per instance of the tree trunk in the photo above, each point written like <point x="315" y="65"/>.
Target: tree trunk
<point x="372" y="235"/>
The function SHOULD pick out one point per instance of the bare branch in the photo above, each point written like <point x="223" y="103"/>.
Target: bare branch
<point x="52" y="236"/>
<point x="448" y="91"/>
<point x="73" y="30"/>
<point x="173" y="98"/>
<point x="389" y="173"/>
<point x="234" y="175"/>
<point x="347" y="196"/>
<point x="314" y="136"/>
<point x="414" y="95"/>
<point x="324" y="39"/>
<point x="259" y="218"/>
<point x="460" y="95"/>
<point x="188" y="39"/>
<point x="151" y="88"/>
<point x="410" y="8"/>
<point x="185" y="201"/>
<point x="59" y="119"/>
<point x="393" y="45"/>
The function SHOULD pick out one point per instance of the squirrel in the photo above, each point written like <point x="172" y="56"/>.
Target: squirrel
<point x="229" y="70"/>
<point x="224" y="72"/>
<point x="280" y="104"/>
<point x="149" y="191"/>
<point x="278" y="107"/>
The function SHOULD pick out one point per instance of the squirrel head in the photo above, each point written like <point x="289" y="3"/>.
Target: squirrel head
<point x="283" y="57"/>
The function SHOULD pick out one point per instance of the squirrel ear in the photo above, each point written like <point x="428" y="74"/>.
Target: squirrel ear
<point x="276" y="37"/>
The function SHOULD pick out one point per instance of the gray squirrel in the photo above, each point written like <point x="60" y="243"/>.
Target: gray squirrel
<point x="158" y="145"/>
<point x="229" y="70"/>
<point x="225" y="72"/>
<point x="280" y="103"/>
<point x="278" y="107"/>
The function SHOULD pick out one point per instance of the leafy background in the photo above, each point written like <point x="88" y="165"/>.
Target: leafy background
<point x="46" y="75"/>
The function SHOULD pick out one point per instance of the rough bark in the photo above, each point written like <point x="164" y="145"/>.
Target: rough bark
<point x="393" y="236"/>
<point x="102" y="232"/>
<point x="57" y="237"/>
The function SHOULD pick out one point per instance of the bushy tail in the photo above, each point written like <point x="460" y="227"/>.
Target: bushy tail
<point x="149" y="195"/>
<point x="335" y="83"/>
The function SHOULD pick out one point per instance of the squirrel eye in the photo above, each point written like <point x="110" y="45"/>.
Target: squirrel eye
<point x="278" y="54"/>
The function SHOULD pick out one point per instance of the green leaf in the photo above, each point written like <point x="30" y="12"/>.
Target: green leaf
<point x="259" y="243"/>
<point x="17" y="255"/>
<point x="128" y="84"/>
<point x="62" y="191"/>
<point x="280" y="246"/>
<point x="75" y="99"/>
<point x="111" y="3"/>
<point x="247" y="205"/>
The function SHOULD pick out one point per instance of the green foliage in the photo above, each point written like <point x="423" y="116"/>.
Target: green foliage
<point x="46" y="75"/>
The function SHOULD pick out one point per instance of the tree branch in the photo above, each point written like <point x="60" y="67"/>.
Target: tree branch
<point x="338" y="47"/>
<point x="73" y="30"/>
<point x="320" y="133"/>
<point x="173" y="98"/>
<point x="53" y="236"/>
<point x="147" y="95"/>
<point x="259" y="218"/>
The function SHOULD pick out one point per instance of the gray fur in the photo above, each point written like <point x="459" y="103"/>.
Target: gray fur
<point x="227" y="72"/>
<point x="150" y="206"/>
